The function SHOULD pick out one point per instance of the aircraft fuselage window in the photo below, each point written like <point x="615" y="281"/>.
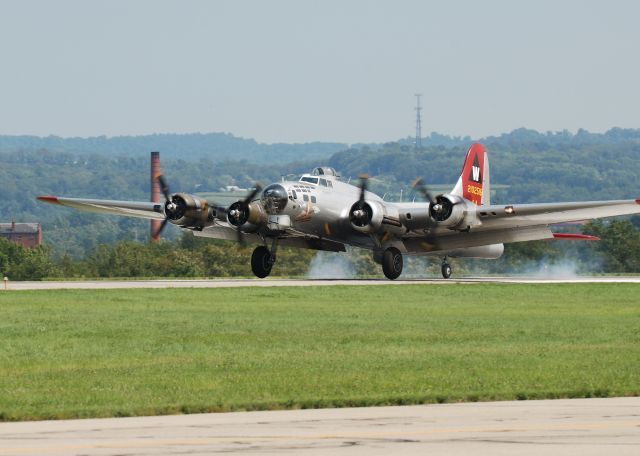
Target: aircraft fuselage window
<point x="323" y="182"/>
<point x="293" y="193"/>
<point x="313" y="199"/>
<point x="330" y="184"/>
<point x="305" y="197"/>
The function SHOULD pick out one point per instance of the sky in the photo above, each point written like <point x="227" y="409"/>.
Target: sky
<point x="329" y="70"/>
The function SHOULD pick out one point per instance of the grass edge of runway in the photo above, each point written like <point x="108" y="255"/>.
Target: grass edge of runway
<point x="384" y="333"/>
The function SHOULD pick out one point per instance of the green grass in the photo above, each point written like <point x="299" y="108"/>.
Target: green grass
<point x="77" y="353"/>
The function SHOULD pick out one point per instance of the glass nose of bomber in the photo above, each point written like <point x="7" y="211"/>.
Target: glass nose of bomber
<point x="274" y="198"/>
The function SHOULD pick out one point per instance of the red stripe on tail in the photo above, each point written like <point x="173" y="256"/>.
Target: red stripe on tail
<point x="473" y="174"/>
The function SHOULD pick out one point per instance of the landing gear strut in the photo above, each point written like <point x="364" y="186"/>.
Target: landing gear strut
<point x="446" y="268"/>
<point x="262" y="260"/>
<point x="392" y="263"/>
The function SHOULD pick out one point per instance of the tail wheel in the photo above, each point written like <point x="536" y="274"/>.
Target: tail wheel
<point x="392" y="263"/>
<point x="446" y="270"/>
<point x="261" y="262"/>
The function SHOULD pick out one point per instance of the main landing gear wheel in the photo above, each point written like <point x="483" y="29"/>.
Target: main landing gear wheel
<point x="392" y="263"/>
<point x="446" y="269"/>
<point x="262" y="262"/>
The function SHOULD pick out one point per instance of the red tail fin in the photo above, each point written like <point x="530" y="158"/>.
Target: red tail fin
<point x="473" y="184"/>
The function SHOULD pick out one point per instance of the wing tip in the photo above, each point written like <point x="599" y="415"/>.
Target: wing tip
<point x="575" y="237"/>
<point x="49" y="199"/>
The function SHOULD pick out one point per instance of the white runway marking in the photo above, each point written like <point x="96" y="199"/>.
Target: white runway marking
<point x="226" y="283"/>
<point x="559" y="427"/>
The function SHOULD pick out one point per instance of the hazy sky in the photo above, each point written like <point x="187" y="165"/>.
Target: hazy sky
<point x="297" y="71"/>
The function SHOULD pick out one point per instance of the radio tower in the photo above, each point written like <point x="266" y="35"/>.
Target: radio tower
<point x="418" y="123"/>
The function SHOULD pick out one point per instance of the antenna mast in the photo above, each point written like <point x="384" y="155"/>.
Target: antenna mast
<point x="418" y="143"/>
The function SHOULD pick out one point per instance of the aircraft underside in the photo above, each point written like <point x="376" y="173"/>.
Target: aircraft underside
<point x="389" y="256"/>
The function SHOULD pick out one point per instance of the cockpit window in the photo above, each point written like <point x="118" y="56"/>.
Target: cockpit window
<point x="323" y="182"/>
<point x="311" y="180"/>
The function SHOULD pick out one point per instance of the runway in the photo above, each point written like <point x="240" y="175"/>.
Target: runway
<point x="557" y="427"/>
<point x="228" y="283"/>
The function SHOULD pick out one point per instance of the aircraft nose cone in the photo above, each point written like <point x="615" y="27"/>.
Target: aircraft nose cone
<point x="274" y="198"/>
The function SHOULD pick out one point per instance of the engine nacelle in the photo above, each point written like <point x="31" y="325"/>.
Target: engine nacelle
<point x="366" y="217"/>
<point x="189" y="211"/>
<point x="448" y="211"/>
<point x="247" y="217"/>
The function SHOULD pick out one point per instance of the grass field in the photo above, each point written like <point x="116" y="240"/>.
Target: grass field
<point x="91" y="353"/>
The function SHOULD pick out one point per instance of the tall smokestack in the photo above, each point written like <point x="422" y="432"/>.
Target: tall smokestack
<point x="155" y="194"/>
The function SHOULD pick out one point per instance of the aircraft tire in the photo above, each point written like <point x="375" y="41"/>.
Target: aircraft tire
<point x="392" y="263"/>
<point x="446" y="270"/>
<point x="261" y="262"/>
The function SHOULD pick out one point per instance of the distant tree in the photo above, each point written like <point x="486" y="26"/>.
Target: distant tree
<point x="619" y="247"/>
<point x="20" y="263"/>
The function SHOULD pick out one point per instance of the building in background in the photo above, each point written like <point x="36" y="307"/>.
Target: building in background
<point x="26" y="234"/>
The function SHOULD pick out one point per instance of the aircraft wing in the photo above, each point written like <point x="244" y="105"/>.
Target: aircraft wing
<point x="221" y="230"/>
<point x="525" y="215"/>
<point x="140" y="209"/>
<point x="517" y="223"/>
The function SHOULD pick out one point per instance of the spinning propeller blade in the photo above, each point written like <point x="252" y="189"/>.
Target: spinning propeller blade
<point x="363" y="188"/>
<point x="419" y="186"/>
<point x="167" y="196"/>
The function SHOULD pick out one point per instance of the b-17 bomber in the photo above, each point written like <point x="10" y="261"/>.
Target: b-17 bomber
<point x="320" y="211"/>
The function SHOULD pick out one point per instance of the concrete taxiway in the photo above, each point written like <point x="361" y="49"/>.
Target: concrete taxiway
<point x="581" y="427"/>
<point x="222" y="283"/>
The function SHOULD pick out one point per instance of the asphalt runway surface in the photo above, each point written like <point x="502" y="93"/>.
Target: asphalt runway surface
<point x="227" y="283"/>
<point x="581" y="427"/>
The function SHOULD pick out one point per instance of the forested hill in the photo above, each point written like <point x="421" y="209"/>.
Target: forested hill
<point x="224" y="146"/>
<point x="533" y="138"/>
<point x="191" y="147"/>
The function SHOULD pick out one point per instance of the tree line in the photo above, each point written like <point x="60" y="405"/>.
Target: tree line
<point x="192" y="257"/>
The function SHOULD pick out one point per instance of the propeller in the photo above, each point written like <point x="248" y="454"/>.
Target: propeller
<point x="238" y="212"/>
<point x="164" y="187"/>
<point x="169" y="205"/>
<point x="419" y="186"/>
<point x="360" y="211"/>
<point x="363" y="188"/>
<point x="179" y="205"/>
